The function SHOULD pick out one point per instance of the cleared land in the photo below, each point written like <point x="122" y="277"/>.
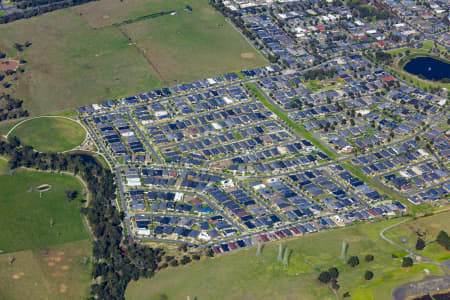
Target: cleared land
<point x="50" y="134"/>
<point x="57" y="272"/>
<point x="26" y="220"/>
<point x="108" y="12"/>
<point x="192" y="45"/>
<point x="78" y="57"/>
<point x="243" y="275"/>
<point x="71" y="64"/>
<point x="430" y="228"/>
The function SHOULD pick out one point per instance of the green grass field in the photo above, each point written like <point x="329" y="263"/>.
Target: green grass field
<point x="431" y="227"/>
<point x="193" y="45"/>
<point x="50" y="134"/>
<point x="78" y="58"/>
<point x="50" y="262"/>
<point x="105" y="13"/>
<point x="243" y="275"/>
<point x="70" y="64"/>
<point x="57" y="272"/>
<point x="26" y="216"/>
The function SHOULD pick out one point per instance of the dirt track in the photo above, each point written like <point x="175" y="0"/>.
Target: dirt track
<point x="431" y="284"/>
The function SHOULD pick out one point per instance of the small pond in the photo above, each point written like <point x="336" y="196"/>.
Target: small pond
<point x="429" y="68"/>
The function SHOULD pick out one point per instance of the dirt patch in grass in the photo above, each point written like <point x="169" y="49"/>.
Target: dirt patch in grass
<point x="248" y="55"/>
<point x="8" y="64"/>
<point x="56" y="272"/>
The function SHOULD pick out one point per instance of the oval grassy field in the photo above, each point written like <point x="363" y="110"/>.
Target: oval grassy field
<point x="50" y="134"/>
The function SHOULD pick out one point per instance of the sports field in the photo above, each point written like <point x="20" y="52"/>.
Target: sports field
<point x="243" y="275"/>
<point x="49" y="134"/>
<point x="77" y="57"/>
<point x="31" y="221"/>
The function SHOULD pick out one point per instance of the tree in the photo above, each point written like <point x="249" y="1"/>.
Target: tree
<point x="209" y="252"/>
<point x="325" y="277"/>
<point x="443" y="240"/>
<point x="407" y="262"/>
<point x="368" y="275"/>
<point x="369" y="257"/>
<point x="334" y="273"/>
<point x="71" y="195"/>
<point x="353" y="261"/>
<point x="420" y="244"/>
<point x="334" y="285"/>
<point x="185" y="260"/>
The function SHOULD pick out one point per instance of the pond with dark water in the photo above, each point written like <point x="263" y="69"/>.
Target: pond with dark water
<point x="428" y="67"/>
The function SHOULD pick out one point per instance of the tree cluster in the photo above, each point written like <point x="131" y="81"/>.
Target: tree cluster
<point x="407" y="262"/>
<point x="353" y="261"/>
<point x="420" y="244"/>
<point x="331" y="275"/>
<point x="11" y="108"/>
<point x="364" y="10"/>
<point x="443" y="239"/>
<point x="320" y="74"/>
<point x="383" y="57"/>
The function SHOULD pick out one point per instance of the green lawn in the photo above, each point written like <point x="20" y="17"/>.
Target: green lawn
<point x="243" y="275"/>
<point x="193" y="45"/>
<point x="71" y="64"/>
<point x="5" y="126"/>
<point x="26" y="216"/>
<point x="3" y="167"/>
<point x="50" y="134"/>
<point x="431" y="227"/>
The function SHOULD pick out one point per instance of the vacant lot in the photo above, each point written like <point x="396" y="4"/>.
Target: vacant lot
<point x="78" y="57"/>
<point x="193" y="45"/>
<point x="50" y="134"/>
<point x="70" y="64"/>
<point x="31" y="221"/>
<point x="57" y="272"/>
<point x="243" y="275"/>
